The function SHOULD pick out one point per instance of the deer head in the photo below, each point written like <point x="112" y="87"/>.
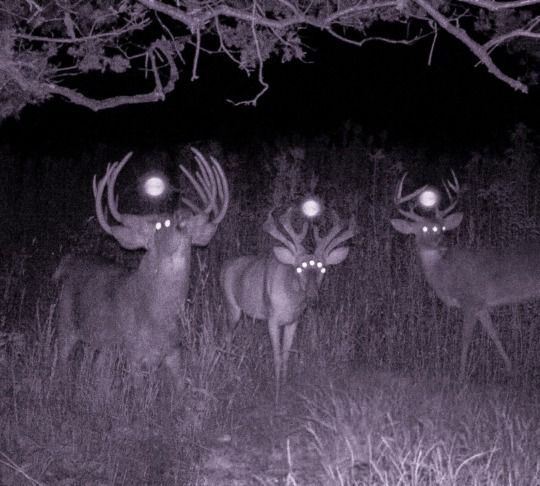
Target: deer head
<point x="309" y="268"/>
<point x="428" y="230"/>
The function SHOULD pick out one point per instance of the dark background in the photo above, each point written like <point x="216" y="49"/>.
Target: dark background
<point x="448" y="106"/>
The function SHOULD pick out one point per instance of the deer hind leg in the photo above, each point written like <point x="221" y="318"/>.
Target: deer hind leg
<point x="469" y="320"/>
<point x="67" y="337"/>
<point x="274" y="329"/>
<point x="486" y="321"/>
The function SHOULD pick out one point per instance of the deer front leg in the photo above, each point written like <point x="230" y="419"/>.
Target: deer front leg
<point x="288" y="338"/>
<point x="486" y="321"/>
<point x="274" y="329"/>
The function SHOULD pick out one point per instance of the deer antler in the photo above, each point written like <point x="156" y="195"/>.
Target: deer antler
<point x="452" y="191"/>
<point x="399" y="200"/>
<point x="211" y="185"/>
<point x="294" y="244"/>
<point x="109" y="179"/>
<point x="325" y="245"/>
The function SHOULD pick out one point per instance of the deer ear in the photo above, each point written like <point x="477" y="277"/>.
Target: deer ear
<point x="201" y="235"/>
<point x="402" y="226"/>
<point x="337" y="256"/>
<point x="200" y="229"/>
<point x="284" y="255"/>
<point x="453" y="221"/>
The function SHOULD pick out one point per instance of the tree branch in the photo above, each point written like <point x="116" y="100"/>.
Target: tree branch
<point x="478" y="50"/>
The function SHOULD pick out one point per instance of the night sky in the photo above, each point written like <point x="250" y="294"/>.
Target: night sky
<point x="448" y="106"/>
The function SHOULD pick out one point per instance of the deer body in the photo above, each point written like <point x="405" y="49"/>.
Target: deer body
<point x="473" y="280"/>
<point x="263" y="288"/>
<point x="483" y="278"/>
<point x="104" y="304"/>
<point x="278" y="286"/>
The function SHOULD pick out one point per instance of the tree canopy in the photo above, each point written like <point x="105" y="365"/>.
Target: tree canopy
<point x="48" y="46"/>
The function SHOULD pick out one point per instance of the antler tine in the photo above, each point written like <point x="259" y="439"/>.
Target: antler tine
<point x="336" y="228"/>
<point x="108" y="180"/>
<point x="270" y="227"/>
<point x="335" y="237"/>
<point x="449" y="187"/>
<point x="399" y="199"/>
<point x="202" y="184"/>
<point x="346" y="235"/>
<point x="112" y="201"/>
<point x="222" y="189"/>
<point x="297" y="238"/>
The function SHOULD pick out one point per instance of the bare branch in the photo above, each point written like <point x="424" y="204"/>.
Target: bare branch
<point x="477" y="49"/>
<point x="498" y="6"/>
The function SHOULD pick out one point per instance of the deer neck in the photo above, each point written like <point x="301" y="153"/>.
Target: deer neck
<point x="283" y="287"/>
<point x="164" y="282"/>
<point x="431" y="260"/>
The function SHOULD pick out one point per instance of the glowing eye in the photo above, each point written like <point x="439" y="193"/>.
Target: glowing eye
<point x="298" y="270"/>
<point x="435" y="229"/>
<point x="304" y="265"/>
<point x="167" y="223"/>
<point x="158" y="225"/>
<point x="319" y="264"/>
<point x="323" y="270"/>
<point x="425" y="229"/>
<point x="311" y="263"/>
<point x="444" y="228"/>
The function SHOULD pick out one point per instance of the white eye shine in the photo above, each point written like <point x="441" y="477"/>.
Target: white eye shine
<point x="425" y="229"/>
<point x="311" y="263"/>
<point x="323" y="270"/>
<point x="298" y="270"/>
<point x="319" y="264"/>
<point x="167" y="223"/>
<point x="444" y="228"/>
<point x="304" y="265"/>
<point x="435" y="229"/>
<point x="158" y="225"/>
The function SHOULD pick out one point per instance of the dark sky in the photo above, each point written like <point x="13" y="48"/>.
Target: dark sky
<point x="450" y="105"/>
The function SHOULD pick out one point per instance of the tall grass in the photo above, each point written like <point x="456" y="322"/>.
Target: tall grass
<point x="376" y="313"/>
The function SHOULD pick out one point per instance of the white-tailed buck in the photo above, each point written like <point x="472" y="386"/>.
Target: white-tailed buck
<point x="104" y="304"/>
<point x="474" y="280"/>
<point x="277" y="286"/>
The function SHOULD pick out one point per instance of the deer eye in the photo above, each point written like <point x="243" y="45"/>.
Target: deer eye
<point x="323" y="270"/>
<point x="319" y="264"/>
<point x="304" y="265"/>
<point x="167" y="223"/>
<point x="311" y="263"/>
<point x="435" y="229"/>
<point x="444" y="228"/>
<point x="298" y="269"/>
<point x="158" y="225"/>
<point x="425" y="229"/>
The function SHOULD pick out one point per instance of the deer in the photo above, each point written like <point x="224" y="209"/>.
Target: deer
<point x="103" y="304"/>
<point x="473" y="280"/>
<point x="277" y="286"/>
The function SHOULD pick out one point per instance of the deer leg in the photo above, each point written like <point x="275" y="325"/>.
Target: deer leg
<point x="469" y="320"/>
<point x="67" y="337"/>
<point x="288" y="337"/>
<point x="486" y="321"/>
<point x="274" y="329"/>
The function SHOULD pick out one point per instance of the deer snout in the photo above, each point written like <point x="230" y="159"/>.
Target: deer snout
<point x="312" y="287"/>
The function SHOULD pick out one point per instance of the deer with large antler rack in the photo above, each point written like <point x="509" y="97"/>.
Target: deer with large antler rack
<point x="473" y="280"/>
<point x="104" y="304"/>
<point x="277" y="286"/>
